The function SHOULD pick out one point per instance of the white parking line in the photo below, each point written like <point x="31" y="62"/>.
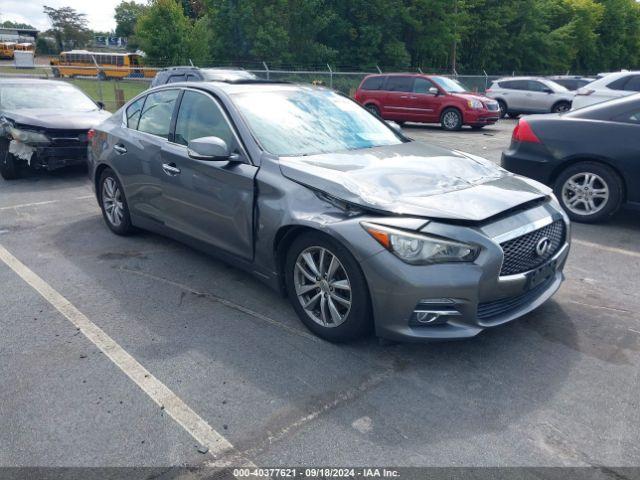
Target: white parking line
<point x="177" y="409"/>
<point x="36" y="204"/>
<point x="621" y="251"/>
<point x="48" y="202"/>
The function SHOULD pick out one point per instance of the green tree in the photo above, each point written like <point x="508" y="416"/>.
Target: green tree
<point x="163" y="32"/>
<point x="10" y="24"/>
<point x="68" y="27"/>
<point x="126" y="16"/>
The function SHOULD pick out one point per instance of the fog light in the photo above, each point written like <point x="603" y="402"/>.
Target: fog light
<point x="433" y="317"/>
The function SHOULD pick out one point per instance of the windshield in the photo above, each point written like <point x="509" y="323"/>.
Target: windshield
<point x="49" y="96"/>
<point x="450" y="85"/>
<point x="305" y="121"/>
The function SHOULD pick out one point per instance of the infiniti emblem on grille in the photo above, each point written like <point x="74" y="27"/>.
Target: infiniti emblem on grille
<point x="543" y="246"/>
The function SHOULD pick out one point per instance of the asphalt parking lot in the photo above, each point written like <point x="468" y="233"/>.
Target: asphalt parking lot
<point x="246" y="381"/>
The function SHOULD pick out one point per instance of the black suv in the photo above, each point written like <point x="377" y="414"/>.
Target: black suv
<point x="195" y="74"/>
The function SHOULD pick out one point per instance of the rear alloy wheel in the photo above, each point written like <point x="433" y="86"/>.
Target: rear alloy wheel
<point x="561" y="107"/>
<point x="373" y="109"/>
<point x="327" y="288"/>
<point x="589" y="192"/>
<point x="451" y="119"/>
<point x="9" y="167"/>
<point x="114" y="204"/>
<point x="503" y="108"/>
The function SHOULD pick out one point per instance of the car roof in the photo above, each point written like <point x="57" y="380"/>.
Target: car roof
<point x="239" y="86"/>
<point x="504" y="79"/>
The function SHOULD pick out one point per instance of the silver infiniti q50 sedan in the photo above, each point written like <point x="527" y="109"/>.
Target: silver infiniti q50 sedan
<point x="362" y="228"/>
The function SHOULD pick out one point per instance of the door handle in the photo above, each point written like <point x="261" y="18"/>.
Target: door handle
<point x="170" y="169"/>
<point x="403" y="96"/>
<point x="121" y="149"/>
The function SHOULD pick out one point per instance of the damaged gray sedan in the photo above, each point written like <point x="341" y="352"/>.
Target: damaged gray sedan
<point x="362" y="228"/>
<point x="44" y="125"/>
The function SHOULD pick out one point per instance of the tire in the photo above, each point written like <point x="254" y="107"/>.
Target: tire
<point x="55" y="72"/>
<point x="503" y="108"/>
<point x="9" y="167"/>
<point x="514" y="115"/>
<point x="111" y="194"/>
<point x="451" y="119"/>
<point x="561" y="107"/>
<point x="343" y="322"/>
<point x="589" y="192"/>
<point x="373" y="109"/>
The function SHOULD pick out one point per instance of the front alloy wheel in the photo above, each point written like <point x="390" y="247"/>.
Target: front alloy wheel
<point x="451" y="120"/>
<point x="322" y="286"/>
<point x="327" y="288"/>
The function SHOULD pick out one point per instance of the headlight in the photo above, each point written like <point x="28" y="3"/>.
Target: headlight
<point x="421" y="249"/>
<point x="28" y="136"/>
<point x="475" y="104"/>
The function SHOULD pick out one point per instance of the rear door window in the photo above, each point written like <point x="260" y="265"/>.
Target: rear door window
<point x="399" y="84"/>
<point x="535" y="86"/>
<point x="156" y="115"/>
<point x="633" y="85"/>
<point x="133" y="113"/>
<point x="176" y="78"/>
<point x="619" y="84"/>
<point x="373" y="83"/>
<point x="514" y="84"/>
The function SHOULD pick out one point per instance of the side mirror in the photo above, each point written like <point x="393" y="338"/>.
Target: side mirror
<point x="434" y="91"/>
<point x="397" y="128"/>
<point x="100" y="105"/>
<point x="210" y="148"/>
<point x="547" y="90"/>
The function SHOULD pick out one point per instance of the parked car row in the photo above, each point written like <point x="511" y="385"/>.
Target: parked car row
<point x="589" y="156"/>
<point x="426" y="99"/>
<point x="361" y="227"/>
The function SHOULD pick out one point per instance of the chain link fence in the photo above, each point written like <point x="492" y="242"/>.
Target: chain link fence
<point x="114" y="92"/>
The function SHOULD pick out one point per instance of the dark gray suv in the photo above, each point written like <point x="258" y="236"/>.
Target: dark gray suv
<point x="360" y="226"/>
<point x="195" y="74"/>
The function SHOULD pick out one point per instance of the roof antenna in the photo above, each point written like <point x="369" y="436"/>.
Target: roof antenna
<point x="191" y="63"/>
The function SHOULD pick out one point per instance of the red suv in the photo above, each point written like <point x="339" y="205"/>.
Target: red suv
<point x="426" y="99"/>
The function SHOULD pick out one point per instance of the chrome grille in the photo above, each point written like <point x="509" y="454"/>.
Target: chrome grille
<point x="520" y="253"/>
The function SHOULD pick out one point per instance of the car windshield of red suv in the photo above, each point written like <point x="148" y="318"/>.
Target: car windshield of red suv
<point x="449" y="85"/>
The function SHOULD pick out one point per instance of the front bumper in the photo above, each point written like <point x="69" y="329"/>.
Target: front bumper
<point x="471" y="296"/>
<point x="481" y="117"/>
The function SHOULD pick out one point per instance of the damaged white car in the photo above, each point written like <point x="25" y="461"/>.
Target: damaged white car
<point x="44" y="125"/>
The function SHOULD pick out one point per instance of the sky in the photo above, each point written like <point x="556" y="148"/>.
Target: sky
<point x="99" y="12"/>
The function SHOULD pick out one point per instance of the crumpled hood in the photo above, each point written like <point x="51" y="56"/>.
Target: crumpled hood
<point x="415" y="179"/>
<point x="58" y="118"/>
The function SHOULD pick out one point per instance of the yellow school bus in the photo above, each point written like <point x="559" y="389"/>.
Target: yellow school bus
<point x="25" y="47"/>
<point x="6" y="50"/>
<point x="105" y="65"/>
